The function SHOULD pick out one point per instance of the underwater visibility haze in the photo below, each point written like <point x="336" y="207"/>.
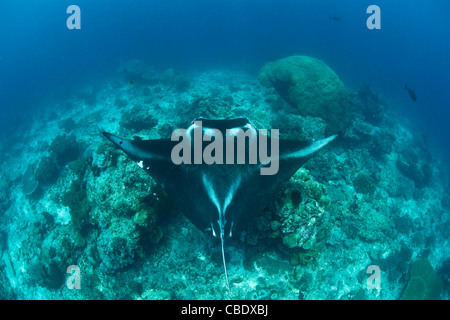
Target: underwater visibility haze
<point x="357" y="208"/>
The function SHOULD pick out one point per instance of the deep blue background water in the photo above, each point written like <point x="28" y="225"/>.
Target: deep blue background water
<point x="40" y="59"/>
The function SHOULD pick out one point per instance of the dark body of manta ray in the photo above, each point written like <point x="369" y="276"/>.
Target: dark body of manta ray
<point x="219" y="198"/>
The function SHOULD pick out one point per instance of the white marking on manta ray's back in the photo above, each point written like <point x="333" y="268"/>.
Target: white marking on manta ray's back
<point x="211" y="193"/>
<point x="230" y="195"/>
<point x="234" y="132"/>
<point x="210" y="132"/>
<point x="315" y="146"/>
<point x="192" y="127"/>
<point x="221" y="209"/>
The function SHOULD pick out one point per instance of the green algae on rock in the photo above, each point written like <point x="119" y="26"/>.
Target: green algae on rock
<point x="310" y="86"/>
<point x="302" y="213"/>
<point x="424" y="283"/>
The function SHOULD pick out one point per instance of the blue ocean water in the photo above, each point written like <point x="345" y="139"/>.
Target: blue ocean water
<point x="40" y="56"/>
<point x="43" y="65"/>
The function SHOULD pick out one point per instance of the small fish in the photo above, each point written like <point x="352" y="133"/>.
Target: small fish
<point x="335" y="18"/>
<point x="411" y="92"/>
<point x="131" y="82"/>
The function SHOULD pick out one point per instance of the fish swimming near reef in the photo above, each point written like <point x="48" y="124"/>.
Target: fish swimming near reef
<point x="335" y="18"/>
<point x="220" y="197"/>
<point x="411" y="93"/>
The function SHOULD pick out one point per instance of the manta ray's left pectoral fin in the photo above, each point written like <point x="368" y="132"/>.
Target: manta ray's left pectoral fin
<point x="154" y="156"/>
<point x="143" y="150"/>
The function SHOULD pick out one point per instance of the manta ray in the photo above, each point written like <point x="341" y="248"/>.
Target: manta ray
<point x="220" y="197"/>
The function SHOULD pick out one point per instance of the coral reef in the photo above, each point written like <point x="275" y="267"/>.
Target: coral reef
<point x="174" y="79"/>
<point x="76" y="200"/>
<point x="117" y="246"/>
<point x="64" y="149"/>
<point x="418" y="171"/>
<point x="29" y="183"/>
<point x="371" y="105"/>
<point x="310" y="86"/>
<point x="47" y="170"/>
<point x="301" y="217"/>
<point x="377" y="196"/>
<point x="206" y="106"/>
<point x="137" y="119"/>
<point x="262" y="294"/>
<point x="424" y="283"/>
<point x="297" y="127"/>
<point x="67" y="124"/>
<point x="364" y="183"/>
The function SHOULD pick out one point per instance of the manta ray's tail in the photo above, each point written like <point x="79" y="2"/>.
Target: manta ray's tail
<point x="225" y="265"/>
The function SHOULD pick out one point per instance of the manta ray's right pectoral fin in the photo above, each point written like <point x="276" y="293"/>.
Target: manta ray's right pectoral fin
<point x="298" y="149"/>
